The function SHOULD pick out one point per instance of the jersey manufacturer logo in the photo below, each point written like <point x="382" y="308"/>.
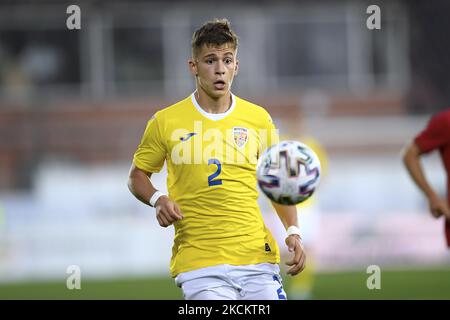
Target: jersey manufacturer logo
<point x="267" y="248"/>
<point x="188" y="136"/>
<point x="240" y="136"/>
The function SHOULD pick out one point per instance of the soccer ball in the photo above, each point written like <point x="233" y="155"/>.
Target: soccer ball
<point x="288" y="172"/>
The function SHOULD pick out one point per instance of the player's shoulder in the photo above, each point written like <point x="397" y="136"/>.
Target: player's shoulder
<point x="252" y="109"/>
<point x="172" y="111"/>
<point x="250" y="106"/>
<point x="441" y="118"/>
<point x="444" y="114"/>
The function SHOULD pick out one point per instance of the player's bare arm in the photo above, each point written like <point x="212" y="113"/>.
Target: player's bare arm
<point x="139" y="183"/>
<point x="288" y="216"/>
<point x="411" y="159"/>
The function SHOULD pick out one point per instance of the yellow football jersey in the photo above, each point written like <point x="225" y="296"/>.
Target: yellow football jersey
<point x="211" y="164"/>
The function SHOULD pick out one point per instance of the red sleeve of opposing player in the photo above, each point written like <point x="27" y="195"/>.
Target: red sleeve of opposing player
<point x="436" y="134"/>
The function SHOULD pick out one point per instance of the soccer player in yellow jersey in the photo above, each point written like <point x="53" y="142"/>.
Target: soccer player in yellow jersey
<point x="211" y="142"/>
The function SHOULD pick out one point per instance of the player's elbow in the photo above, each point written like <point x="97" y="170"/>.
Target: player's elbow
<point x="130" y="183"/>
<point x="133" y="177"/>
<point x="136" y="177"/>
<point x="410" y="154"/>
<point x="405" y="155"/>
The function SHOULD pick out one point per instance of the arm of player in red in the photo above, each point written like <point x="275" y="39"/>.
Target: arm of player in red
<point x="447" y="232"/>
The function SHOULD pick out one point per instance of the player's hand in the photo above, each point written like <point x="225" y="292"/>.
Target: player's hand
<point x="298" y="262"/>
<point x="167" y="211"/>
<point x="439" y="207"/>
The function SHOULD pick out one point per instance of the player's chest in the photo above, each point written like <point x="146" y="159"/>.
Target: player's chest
<point x="199" y="142"/>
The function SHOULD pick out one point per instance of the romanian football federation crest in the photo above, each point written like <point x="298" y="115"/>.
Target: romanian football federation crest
<point x="240" y="136"/>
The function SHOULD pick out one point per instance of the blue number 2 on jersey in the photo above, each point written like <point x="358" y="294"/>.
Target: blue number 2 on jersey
<point x="217" y="182"/>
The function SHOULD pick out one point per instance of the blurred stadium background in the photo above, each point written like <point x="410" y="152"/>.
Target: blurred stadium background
<point x="74" y="103"/>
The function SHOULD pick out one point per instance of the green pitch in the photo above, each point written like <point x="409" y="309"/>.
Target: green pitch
<point x="421" y="284"/>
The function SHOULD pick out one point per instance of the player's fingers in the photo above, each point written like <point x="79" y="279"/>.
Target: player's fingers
<point x="175" y="212"/>
<point x="297" y="268"/>
<point x="168" y="213"/>
<point x="178" y="210"/>
<point x="293" y="270"/>
<point x="161" y="223"/>
<point x="297" y="254"/>
<point x="298" y="265"/>
<point x="302" y="263"/>
<point x="437" y="213"/>
<point x="164" y="221"/>
<point x="290" y="262"/>
<point x="291" y="242"/>
<point x="172" y="215"/>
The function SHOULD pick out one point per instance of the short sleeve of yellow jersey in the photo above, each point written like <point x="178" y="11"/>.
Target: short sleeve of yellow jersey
<point x="269" y="135"/>
<point x="151" y="152"/>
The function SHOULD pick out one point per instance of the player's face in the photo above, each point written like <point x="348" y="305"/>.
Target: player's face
<point x="215" y="68"/>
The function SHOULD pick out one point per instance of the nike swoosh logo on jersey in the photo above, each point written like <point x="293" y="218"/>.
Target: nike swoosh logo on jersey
<point x="188" y="136"/>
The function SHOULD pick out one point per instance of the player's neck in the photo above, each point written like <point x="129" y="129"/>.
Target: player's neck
<point x="211" y="105"/>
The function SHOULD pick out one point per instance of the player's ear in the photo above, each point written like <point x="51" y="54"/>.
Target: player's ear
<point x="236" y="68"/>
<point x="193" y="67"/>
